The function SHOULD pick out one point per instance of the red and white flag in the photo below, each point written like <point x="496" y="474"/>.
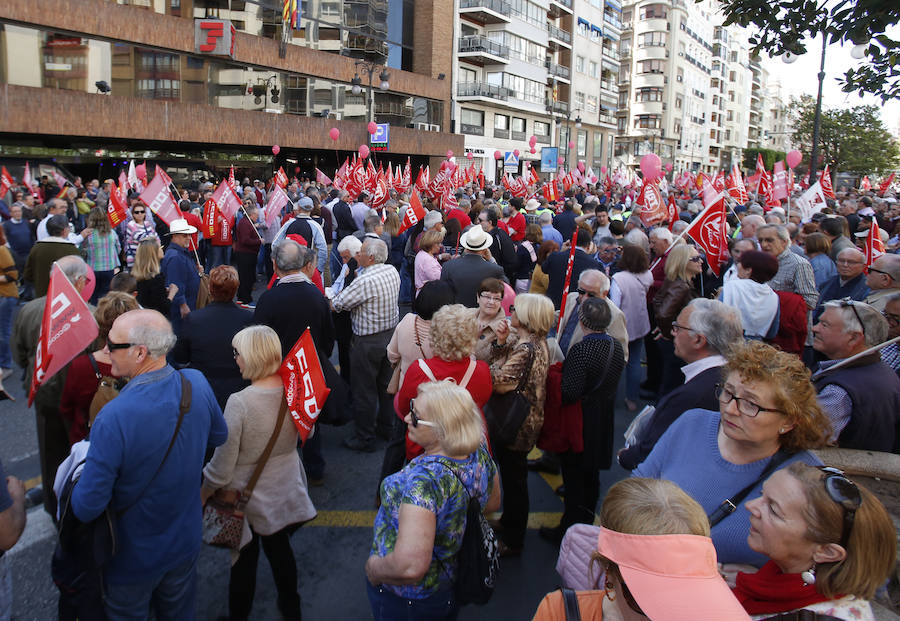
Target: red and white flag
<point x="865" y="185"/>
<point x="811" y="202"/>
<point x="827" y="188"/>
<point x="380" y="193"/>
<point x="407" y="176"/>
<point x="551" y="191"/>
<point x="371" y="176"/>
<point x="304" y="384"/>
<point x="227" y="201"/>
<point x="281" y="178"/>
<point x="780" y="181"/>
<point x="735" y="185"/>
<point x="133" y="181"/>
<point x="653" y="209"/>
<point x="29" y="182"/>
<point x="116" y="211"/>
<point x="671" y="212"/>
<point x="278" y="200"/>
<point x="231" y="180"/>
<point x="413" y="213"/>
<point x="709" y="229"/>
<point x="719" y="181"/>
<point x="158" y="197"/>
<point x="421" y="182"/>
<point x="209" y="218"/>
<point x="59" y="179"/>
<point x="886" y="184"/>
<point x="67" y="328"/>
<point x="436" y="185"/>
<point x="6" y="182"/>
<point x="123" y="182"/>
<point x="322" y="178"/>
<point x="874" y="245"/>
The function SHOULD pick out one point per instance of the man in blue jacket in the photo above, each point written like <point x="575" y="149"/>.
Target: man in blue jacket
<point x="179" y="264"/>
<point x="155" y="493"/>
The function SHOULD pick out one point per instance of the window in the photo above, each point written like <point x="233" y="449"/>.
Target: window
<point x="579" y="64"/>
<point x="651" y="66"/>
<point x="596" y="33"/>
<point x="541" y="128"/>
<point x="598" y="148"/>
<point x="518" y="124"/>
<point x="581" y="143"/>
<point x="471" y="122"/>
<point x="654" y="11"/>
<point x="591" y="104"/>
<point x="622" y="125"/>
<point x="593" y="69"/>
<point x="652" y="39"/>
<point x="647" y="121"/>
<point x="678" y="103"/>
<point x="501" y="121"/>
<point x="579" y="101"/>
<point x="584" y="28"/>
<point x="648" y="94"/>
<point x="467" y="75"/>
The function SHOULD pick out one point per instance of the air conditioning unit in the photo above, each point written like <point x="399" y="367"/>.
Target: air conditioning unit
<point x="422" y="126"/>
<point x="428" y="127"/>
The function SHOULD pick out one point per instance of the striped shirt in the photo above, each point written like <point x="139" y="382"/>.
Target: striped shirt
<point x="102" y="251"/>
<point x="372" y="300"/>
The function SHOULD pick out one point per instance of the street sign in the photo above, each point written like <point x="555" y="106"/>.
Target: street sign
<point x="214" y="36"/>
<point x="510" y="162"/>
<point x="379" y="140"/>
<point x="549" y="159"/>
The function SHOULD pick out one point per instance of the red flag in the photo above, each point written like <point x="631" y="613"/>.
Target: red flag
<point x="874" y="245"/>
<point x="380" y="194"/>
<point x="227" y="201"/>
<point x="551" y="193"/>
<point x="278" y="199"/>
<point x="209" y="219"/>
<point x="421" y="184"/>
<point x="709" y="230"/>
<point x="672" y="212"/>
<point x="533" y="178"/>
<point x="886" y="184"/>
<point x="436" y="185"/>
<point x="520" y="187"/>
<point x="231" y="181"/>
<point x="653" y="209"/>
<point x="322" y="178"/>
<point x="413" y="213"/>
<point x="481" y="178"/>
<point x="827" y="188"/>
<point x="158" y="197"/>
<point x="719" y="181"/>
<point x="29" y="182"/>
<point x="116" y="212"/>
<point x="281" y="178"/>
<point x="779" y="182"/>
<point x="304" y="384"/>
<point x="67" y="328"/>
<point x="371" y="176"/>
<point x="865" y="185"/>
<point x="407" y="176"/>
<point x="735" y="186"/>
<point x="568" y="282"/>
<point x="6" y="182"/>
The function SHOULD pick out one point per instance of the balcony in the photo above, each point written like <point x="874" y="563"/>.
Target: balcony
<point x="612" y="20"/>
<point x="559" y="7"/>
<point x="611" y="53"/>
<point x="479" y="50"/>
<point x="609" y="85"/>
<point x="558" y="71"/>
<point x="482" y="90"/>
<point x="557" y="107"/>
<point x="485" y="11"/>
<point x="559" y="37"/>
<point x="501" y="133"/>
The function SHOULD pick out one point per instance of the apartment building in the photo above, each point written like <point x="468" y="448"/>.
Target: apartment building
<point x="776" y="123"/>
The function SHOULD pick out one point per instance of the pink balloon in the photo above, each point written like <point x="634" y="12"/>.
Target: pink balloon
<point x="516" y="153"/>
<point x="793" y="158"/>
<point x="581" y="167"/>
<point x="533" y="150"/>
<point x="469" y="156"/>
<point x="603" y="170"/>
<point x="594" y="179"/>
<point x="532" y="141"/>
<point x="449" y="154"/>
<point x="372" y="127"/>
<point x="651" y="167"/>
<point x="363" y="151"/>
<point x="669" y="167"/>
<point x="497" y="155"/>
<point x="275" y="149"/>
<point x="335" y="133"/>
<point x="561" y="161"/>
<point x="571" y="144"/>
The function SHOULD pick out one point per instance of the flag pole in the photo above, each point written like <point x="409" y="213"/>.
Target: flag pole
<point x="254" y="227"/>
<point x="569" y="266"/>
<point x="861" y="354"/>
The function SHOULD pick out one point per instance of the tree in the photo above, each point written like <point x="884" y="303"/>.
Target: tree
<point x="850" y="139"/>
<point x="784" y="24"/>
<point x="769" y="156"/>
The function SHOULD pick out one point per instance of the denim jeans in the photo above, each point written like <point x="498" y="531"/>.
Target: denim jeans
<point x="173" y="596"/>
<point x="7" y="309"/>
<point x="633" y="369"/>
<point x="216" y="256"/>
<point x="387" y="606"/>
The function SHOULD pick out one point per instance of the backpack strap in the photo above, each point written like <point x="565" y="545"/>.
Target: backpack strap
<point x="570" y="600"/>
<point x="426" y="370"/>
<point x="469" y="372"/>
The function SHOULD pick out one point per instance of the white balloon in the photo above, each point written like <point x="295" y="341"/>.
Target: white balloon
<point x="859" y="51"/>
<point x="789" y="58"/>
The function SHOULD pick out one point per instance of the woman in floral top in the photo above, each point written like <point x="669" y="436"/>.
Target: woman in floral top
<point x="419" y="526"/>
<point x="138" y="228"/>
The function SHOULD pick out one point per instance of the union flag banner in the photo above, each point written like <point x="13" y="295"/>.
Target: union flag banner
<point x="413" y="213"/>
<point x="322" y="178"/>
<point x="304" y="384"/>
<point x="281" y="178"/>
<point x="231" y="181"/>
<point x="133" y="182"/>
<point x="436" y="185"/>
<point x="865" y="185"/>
<point x="209" y="219"/>
<point x="551" y="192"/>
<point x="158" y="197"/>
<point x="29" y="182"/>
<point x="886" y="184"/>
<point x="116" y="211"/>
<point x="779" y="181"/>
<point x="874" y="245"/>
<point x="371" y="176"/>
<point x="653" y="210"/>
<point x="811" y="202"/>
<point x="672" y="212"/>
<point x="278" y="200"/>
<point x="67" y="328"/>
<point x="709" y="229"/>
<point x="380" y="193"/>
<point x="719" y="181"/>
<point x="735" y="185"/>
<point x="227" y="201"/>
<point x="407" y="176"/>
<point x="421" y="182"/>
<point x="481" y="178"/>
<point x="827" y="188"/>
<point x="6" y="182"/>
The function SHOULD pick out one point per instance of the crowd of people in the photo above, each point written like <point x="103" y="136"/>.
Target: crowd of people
<point x="462" y="342"/>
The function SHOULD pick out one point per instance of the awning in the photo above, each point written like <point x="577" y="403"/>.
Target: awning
<point x="582" y="21"/>
<point x="597" y="30"/>
<point x="614" y="5"/>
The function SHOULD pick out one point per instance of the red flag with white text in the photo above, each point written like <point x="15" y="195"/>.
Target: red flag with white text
<point x="67" y="328"/>
<point x="735" y="185"/>
<point x="278" y="200"/>
<point x="304" y="384"/>
<point x="116" y="211"/>
<point x="886" y="184"/>
<point x="227" y="201"/>
<point x="421" y="183"/>
<point x="281" y="178"/>
<point x="671" y="211"/>
<point x="209" y="219"/>
<point x="709" y="229"/>
<point x="653" y="210"/>
<point x="380" y="193"/>
<point x="413" y="213"/>
<point x="6" y="182"/>
<point x="780" y="181"/>
<point x="158" y="197"/>
<point x="874" y="245"/>
<point x="865" y="185"/>
<point x="322" y="178"/>
<point x="231" y="180"/>
<point x="827" y="188"/>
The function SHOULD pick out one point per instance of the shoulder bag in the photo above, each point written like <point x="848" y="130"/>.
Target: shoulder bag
<point x="223" y="514"/>
<point x="506" y="413"/>
<point x="729" y="505"/>
<point x="108" y="388"/>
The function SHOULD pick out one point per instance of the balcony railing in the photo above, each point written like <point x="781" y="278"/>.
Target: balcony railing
<point x="498" y="6"/>
<point x="565" y="3"/>
<point x="557" y="70"/>
<point x="559" y="34"/>
<point x="501" y="133"/>
<point x="557" y="107"/>
<point x="609" y="85"/>
<point x="480" y="43"/>
<point x="483" y="89"/>
<point x="612" y="20"/>
<point x="610" y="53"/>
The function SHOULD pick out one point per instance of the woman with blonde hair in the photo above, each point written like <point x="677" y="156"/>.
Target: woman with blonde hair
<point x="419" y="526"/>
<point x="655" y="558"/>
<point x="519" y="362"/>
<point x="279" y="503"/>
<point x="151" y="282"/>
<point x="427" y="267"/>
<point x="101" y="249"/>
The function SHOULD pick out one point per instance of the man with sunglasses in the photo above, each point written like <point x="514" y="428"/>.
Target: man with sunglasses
<point x="890" y="355"/>
<point x="862" y="397"/>
<point x="591" y="284"/>
<point x="883" y="280"/>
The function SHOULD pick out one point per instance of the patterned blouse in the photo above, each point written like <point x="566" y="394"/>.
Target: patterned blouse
<point x="508" y="365"/>
<point x="428" y="482"/>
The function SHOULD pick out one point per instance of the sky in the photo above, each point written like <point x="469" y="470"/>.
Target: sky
<point x="802" y="77"/>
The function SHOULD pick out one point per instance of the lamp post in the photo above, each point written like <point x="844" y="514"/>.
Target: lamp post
<point x="356" y="84"/>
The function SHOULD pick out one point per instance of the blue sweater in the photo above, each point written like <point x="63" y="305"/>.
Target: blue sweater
<point x="180" y="267"/>
<point x="19" y="236"/>
<point x="128" y="440"/>
<point x="688" y="454"/>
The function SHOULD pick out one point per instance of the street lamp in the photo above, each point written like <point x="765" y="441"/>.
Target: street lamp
<point x="356" y="83"/>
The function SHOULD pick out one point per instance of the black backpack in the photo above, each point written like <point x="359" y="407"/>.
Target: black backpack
<point x="478" y="559"/>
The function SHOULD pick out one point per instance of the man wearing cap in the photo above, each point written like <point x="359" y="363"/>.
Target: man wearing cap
<point x="467" y="272"/>
<point x="303" y="225"/>
<point x="180" y="267"/>
<point x="883" y="280"/>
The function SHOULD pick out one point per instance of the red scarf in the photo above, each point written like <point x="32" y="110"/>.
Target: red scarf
<point x="771" y="591"/>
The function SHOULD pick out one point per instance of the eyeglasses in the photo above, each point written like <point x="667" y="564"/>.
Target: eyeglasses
<point x="696" y="259"/>
<point x="114" y="346"/>
<point x="590" y="294"/>
<point x="136" y="211"/>
<point x="235" y="352"/>
<point x="872" y="269"/>
<point x="414" y="418"/>
<point x="844" y="492"/>
<point x="845" y="302"/>
<point x="676" y="327"/>
<point x="892" y="319"/>
<point x="490" y="298"/>
<point x="745" y="406"/>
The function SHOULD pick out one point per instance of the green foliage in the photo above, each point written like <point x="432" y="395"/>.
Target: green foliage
<point x="850" y="139"/>
<point x="770" y="156"/>
<point x="785" y="24"/>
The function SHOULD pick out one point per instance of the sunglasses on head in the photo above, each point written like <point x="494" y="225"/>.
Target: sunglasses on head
<point x="844" y="492"/>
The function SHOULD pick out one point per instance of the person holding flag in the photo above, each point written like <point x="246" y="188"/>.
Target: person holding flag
<point x="180" y="266"/>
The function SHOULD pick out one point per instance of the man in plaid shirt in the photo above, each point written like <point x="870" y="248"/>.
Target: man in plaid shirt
<point x="372" y="301"/>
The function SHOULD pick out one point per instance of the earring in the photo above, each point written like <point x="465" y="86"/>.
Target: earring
<point x="610" y="591"/>
<point x="809" y="576"/>
<point x="781" y="430"/>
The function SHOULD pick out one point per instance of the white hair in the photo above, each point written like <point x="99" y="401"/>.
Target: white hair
<point x="351" y="244"/>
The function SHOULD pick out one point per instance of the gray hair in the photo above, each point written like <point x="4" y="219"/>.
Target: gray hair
<point x="158" y="339"/>
<point x="73" y="266"/>
<point x="545" y="218"/>
<point x="464" y="203"/>
<point x="661" y="233"/>
<point x="350" y="243"/>
<point x="636" y="237"/>
<point x="755" y="209"/>
<point x="376" y="249"/>
<point x="876" y="326"/>
<point x="719" y="323"/>
<point x="371" y="222"/>
<point x="57" y="224"/>
<point x="607" y="241"/>
<point x="597" y="275"/>
<point x="289" y="256"/>
<point x="780" y="230"/>
<point x="678" y="226"/>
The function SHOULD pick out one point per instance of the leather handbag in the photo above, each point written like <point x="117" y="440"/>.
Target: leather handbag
<point x="506" y="413"/>
<point x="223" y="513"/>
